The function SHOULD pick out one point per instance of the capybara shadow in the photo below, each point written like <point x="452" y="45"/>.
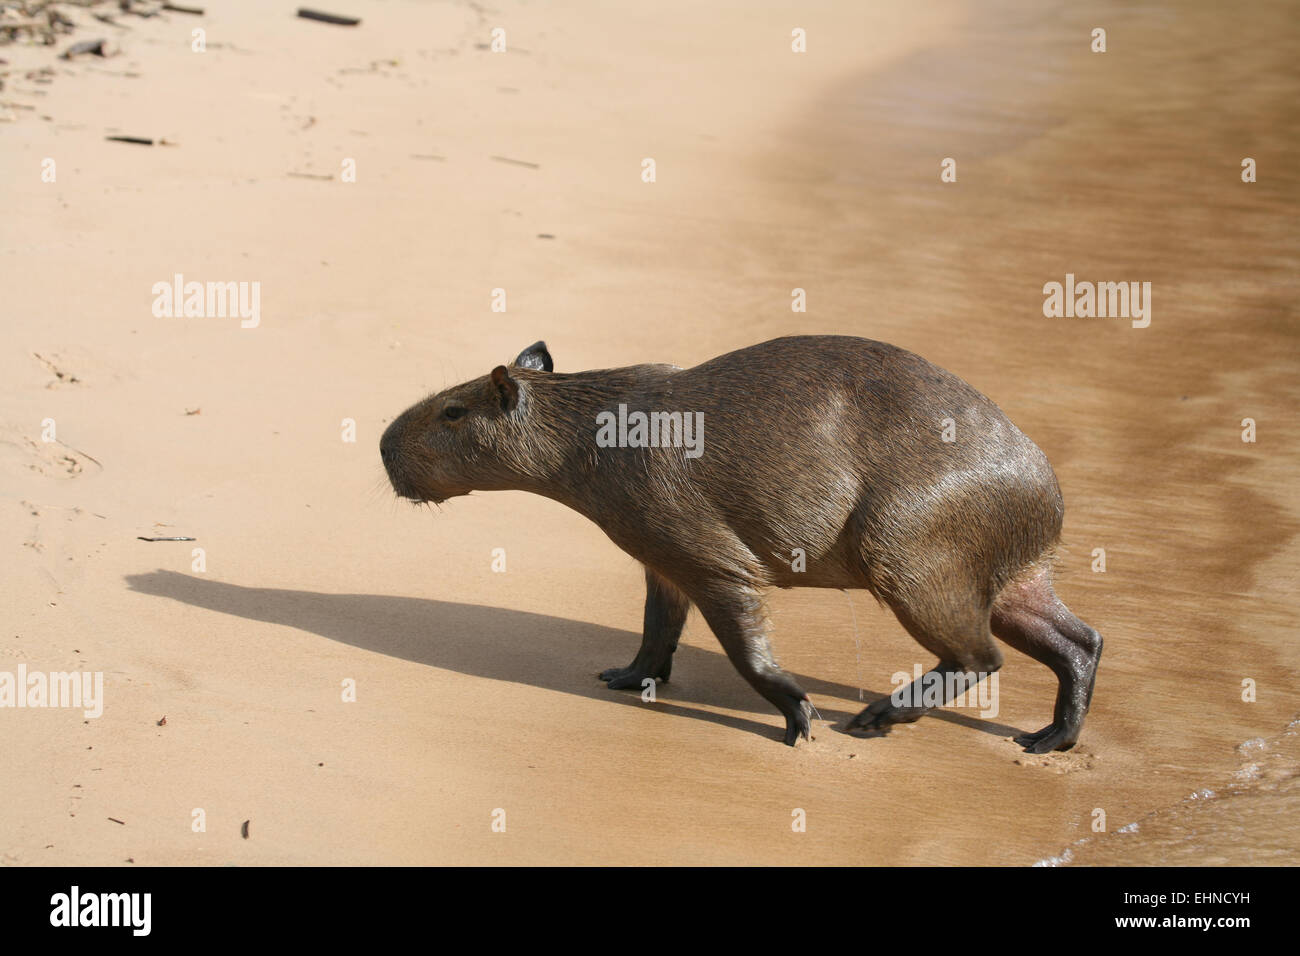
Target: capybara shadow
<point x="497" y="644"/>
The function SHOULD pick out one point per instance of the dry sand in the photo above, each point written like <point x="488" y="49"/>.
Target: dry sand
<point x="476" y="690"/>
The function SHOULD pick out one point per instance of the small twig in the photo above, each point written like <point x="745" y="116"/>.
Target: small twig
<point x="308" y="14"/>
<point x="516" y="162"/>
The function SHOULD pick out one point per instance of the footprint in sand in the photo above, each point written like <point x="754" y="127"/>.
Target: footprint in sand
<point x="20" y="452"/>
<point x="1067" y="761"/>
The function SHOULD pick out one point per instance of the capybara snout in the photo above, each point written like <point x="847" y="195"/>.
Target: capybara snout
<point x="392" y="451"/>
<point x="830" y="461"/>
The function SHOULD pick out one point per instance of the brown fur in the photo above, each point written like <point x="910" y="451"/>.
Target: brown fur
<point x="828" y="444"/>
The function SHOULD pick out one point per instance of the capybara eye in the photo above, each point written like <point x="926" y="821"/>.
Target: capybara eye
<point x="453" y="412"/>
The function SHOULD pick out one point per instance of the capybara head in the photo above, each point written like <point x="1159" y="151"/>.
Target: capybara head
<point x="473" y="437"/>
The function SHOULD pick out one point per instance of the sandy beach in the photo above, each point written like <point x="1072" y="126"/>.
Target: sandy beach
<point x="381" y="182"/>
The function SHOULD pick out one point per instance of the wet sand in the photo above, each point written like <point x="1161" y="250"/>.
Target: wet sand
<point x="476" y="690"/>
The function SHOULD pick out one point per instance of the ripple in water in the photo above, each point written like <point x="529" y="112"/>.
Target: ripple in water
<point x="1254" y="821"/>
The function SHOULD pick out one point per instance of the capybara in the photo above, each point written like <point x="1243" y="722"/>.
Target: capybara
<point x="807" y="461"/>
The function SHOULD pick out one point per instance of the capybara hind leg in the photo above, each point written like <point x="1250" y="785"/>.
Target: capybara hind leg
<point x="1031" y="618"/>
<point x="665" y="616"/>
<point x="738" y="621"/>
<point x="959" y="635"/>
<point x="936" y="687"/>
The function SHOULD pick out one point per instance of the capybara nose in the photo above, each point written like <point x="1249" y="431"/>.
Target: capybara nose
<point x="388" y="446"/>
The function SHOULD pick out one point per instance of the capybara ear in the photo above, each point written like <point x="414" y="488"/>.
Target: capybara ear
<point x="507" y="388"/>
<point x="536" y="356"/>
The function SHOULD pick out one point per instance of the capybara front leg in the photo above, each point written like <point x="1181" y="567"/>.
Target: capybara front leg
<point x="738" y="621"/>
<point x="665" y="616"/>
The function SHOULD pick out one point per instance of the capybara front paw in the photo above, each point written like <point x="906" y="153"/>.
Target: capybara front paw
<point x="798" y="722"/>
<point x="1051" y="737"/>
<point x="630" y="677"/>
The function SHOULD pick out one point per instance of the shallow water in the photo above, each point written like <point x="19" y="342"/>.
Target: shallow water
<point x="1122" y="166"/>
<point x="1254" y="821"/>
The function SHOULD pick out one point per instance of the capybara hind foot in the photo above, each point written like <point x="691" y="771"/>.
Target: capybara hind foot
<point x="1051" y="737"/>
<point x="938" y="686"/>
<point x="883" y="714"/>
<point x="1031" y="618"/>
<point x="634" y="675"/>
